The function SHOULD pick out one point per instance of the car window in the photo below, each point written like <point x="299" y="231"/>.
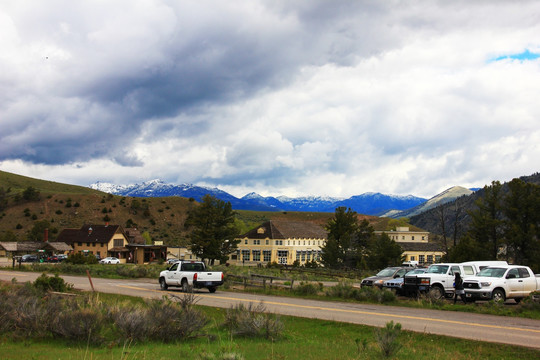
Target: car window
<point x="492" y="272"/>
<point x="523" y="273"/>
<point x="437" y="269"/>
<point x="401" y="272"/>
<point x="386" y="272"/>
<point x="174" y="267"/>
<point x="513" y="272"/>
<point x="454" y="269"/>
<point x="468" y="270"/>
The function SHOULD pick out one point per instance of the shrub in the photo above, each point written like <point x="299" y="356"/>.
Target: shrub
<point x="253" y="321"/>
<point x="307" y="288"/>
<point x="54" y="283"/>
<point x="387" y="338"/>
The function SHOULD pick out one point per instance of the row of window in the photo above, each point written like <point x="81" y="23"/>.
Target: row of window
<point x="396" y="237"/>
<point x="282" y="242"/>
<point x="91" y="244"/>
<point x="255" y="255"/>
<point x="422" y="259"/>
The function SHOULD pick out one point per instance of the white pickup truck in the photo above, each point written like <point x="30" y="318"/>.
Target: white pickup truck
<point x="502" y="282"/>
<point x="190" y="274"/>
<point x="438" y="279"/>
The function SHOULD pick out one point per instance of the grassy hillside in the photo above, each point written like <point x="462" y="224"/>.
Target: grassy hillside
<point x="71" y="206"/>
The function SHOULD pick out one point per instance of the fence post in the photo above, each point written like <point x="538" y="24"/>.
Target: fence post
<point x="292" y="283"/>
<point x="264" y="284"/>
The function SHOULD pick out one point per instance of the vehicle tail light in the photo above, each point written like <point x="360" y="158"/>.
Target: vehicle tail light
<point x="195" y="277"/>
<point x="221" y="276"/>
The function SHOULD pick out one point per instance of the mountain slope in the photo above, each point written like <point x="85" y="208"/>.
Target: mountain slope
<point x="446" y="196"/>
<point x="368" y="203"/>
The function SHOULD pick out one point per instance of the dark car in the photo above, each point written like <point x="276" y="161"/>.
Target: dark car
<point x="53" y="258"/>
<point x="383" y="275"/>
<point x="29" y="258"/>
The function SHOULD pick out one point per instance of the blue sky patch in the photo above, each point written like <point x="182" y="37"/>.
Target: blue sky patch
<point x="524" y="56"/>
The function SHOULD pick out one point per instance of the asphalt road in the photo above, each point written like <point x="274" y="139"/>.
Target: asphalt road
<point x="499" y="329"/>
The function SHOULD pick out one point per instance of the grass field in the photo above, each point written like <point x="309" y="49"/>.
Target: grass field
<point x="302" y="339"/>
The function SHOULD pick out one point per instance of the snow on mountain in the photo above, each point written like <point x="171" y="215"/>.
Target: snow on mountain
<point x="446" y="196"/>
<point x="367" y="203"/>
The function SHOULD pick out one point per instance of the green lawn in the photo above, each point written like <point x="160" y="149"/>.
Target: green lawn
<point x="302" y="339"/>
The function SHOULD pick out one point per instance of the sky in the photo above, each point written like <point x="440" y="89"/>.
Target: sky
<point x="278" y="97"/>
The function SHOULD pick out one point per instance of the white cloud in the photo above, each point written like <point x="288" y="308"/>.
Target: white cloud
<point x="275" y="97"/>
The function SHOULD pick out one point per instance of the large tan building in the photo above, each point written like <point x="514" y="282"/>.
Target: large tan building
<point x="282" y="242"/>
<point x="415" y="245"/>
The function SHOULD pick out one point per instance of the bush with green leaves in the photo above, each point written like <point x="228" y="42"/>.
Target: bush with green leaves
<point x="51" y="283"/>
<point x="80" y="258"/>
<point x="387" y="338"/>
<point x="253" y="321"/>
<point x="306" y="288"/>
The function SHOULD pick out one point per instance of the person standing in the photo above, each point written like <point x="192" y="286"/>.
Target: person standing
<point x="459" y="289"/>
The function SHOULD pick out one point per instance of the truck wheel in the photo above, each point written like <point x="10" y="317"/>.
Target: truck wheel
<point x="163" y="284"/>
<point x="498" y="295"/>
<point x="185" y="286"/>
<point x="212" y="289"/>
<point x="436" y="292"/>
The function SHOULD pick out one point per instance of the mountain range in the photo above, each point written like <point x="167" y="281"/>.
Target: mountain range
<point x="376" y="204"/>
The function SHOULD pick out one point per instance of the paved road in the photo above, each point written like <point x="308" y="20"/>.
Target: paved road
<point x="516" y="331"/>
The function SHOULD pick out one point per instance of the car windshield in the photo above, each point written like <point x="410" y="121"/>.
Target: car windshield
<point x="492" y="272"/>
<point x="386" y="272"/>
<point x="416" y="271"/>
<point x="437" y="269"/>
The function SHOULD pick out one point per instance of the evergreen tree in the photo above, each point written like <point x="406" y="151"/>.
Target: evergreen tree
<point x="522" y="223"/>
<point x="383" y="252"/>
<point x="342" y="230"/>
<point x="487" y="225"/>
<point x="213" y="229"/>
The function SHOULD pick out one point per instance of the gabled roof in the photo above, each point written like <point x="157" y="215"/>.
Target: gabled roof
<point x="8" y="245"/>
<point x="134" y="236"/>
<point x="278" y="229"/>
<point x="57" y="246"/>
<point x="90" y="234"/>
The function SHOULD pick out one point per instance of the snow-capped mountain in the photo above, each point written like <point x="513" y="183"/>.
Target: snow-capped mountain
<point x="446" y="196"/>
<point x="368" y="203"/>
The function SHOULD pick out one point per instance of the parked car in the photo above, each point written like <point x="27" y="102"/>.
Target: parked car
<point x="499" y="283"/>
<point x="385" y="274"/>
<point x="190" y="274"/>
<point x="109" y="260"/>
<point x="52" y="258"/>
<point x="438" y="280"/>
<point x="29" y="258"/>
<point x="62" y="257"/>
<point x="397" y="284"/>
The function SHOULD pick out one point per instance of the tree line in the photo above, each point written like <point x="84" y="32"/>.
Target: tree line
<point x="504" y="225"/>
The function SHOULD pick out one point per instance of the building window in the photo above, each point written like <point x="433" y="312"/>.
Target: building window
<point x="421" y="259"/>
<point x="118" y="242"/>
<point x="279" y="242"/>
<point x="87" y="244"/>
<point x="423" y="237"/>
<point x="257" y="242"/>
<point x="413" y="237"/>
<point x="413" y="258"/>
<point x="246" y="241"/>
<point x="256" y="255"/>
<point x="267" y="255"/>
<point x="437" y="258"/>
<point x="288" y="242"/>
<point x="267" y="242"/>
<point x="303" y="257"/>
<point x="403" y="237"/>
<point x="245" y="255"/>
<point x="430" y="259"/>
<point x="298" y="255"/>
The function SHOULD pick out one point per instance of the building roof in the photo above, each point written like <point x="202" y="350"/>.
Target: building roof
<point x="278" y="229"/>
<point x="420" y="246"/>
<point x="8" y="245"/>
<point x="134" y="236"/>
<point x="90" y="234"/>
<point x="58" y="246"/>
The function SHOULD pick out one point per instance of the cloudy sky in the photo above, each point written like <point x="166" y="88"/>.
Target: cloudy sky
<point x="283" y="97"/>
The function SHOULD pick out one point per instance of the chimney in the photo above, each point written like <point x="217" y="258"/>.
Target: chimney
<point x="46" y="236"/>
